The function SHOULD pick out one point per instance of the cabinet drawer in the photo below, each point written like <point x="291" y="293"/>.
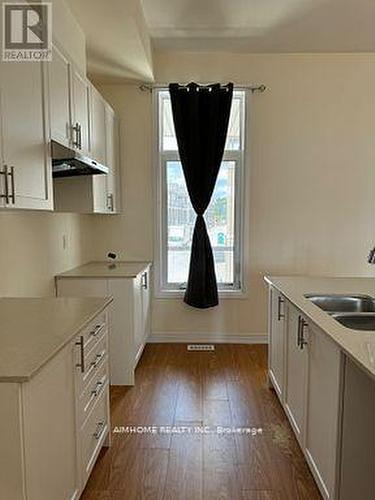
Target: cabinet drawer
<point x="93" y="390"/>
<point x="93" y="433"/>
<point x="94" y="331"/>
<point x="88" y="363"/>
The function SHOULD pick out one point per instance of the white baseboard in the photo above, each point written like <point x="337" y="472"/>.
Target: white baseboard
<point x="206" y="337"/>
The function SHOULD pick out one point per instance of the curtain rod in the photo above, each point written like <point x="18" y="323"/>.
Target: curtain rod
<point x="147" y="87"/>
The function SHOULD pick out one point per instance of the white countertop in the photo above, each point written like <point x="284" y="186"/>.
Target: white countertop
<point x="359" y="345"/>
<point x="106" y="270"/>
<point x="33" y="330"/>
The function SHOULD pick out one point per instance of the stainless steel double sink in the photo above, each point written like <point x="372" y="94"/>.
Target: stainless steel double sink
<point x="352" y="311"/>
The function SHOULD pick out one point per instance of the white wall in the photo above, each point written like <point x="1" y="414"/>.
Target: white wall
<point x="311" y="181"/>
<point x="68" y="32"/>
<point x="32" y="253"/>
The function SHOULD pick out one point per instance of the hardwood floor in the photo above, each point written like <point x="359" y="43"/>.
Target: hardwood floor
<point x="177" y="388"/>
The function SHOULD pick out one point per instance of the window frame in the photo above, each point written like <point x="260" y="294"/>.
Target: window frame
<point x="162" y="289"/>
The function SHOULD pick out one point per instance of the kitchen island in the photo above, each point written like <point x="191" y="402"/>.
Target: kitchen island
<point x="324" y="375"/>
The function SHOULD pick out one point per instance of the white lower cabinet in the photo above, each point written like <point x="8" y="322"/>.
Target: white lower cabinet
<point x="312" y="389"/>
<point x="48" y="407"/>
<point x="54" y="425"/>
<point x="129" y="317"/>
<point x="296" y="364"/>
<point x="323" y="408"/>
<point x="357" y="478"/>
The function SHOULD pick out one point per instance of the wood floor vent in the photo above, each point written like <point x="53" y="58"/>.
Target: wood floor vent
<point x="200" y="347"/>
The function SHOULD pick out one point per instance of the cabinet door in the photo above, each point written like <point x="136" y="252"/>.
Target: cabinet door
<point x="112" y="148"/>
<point x="357" y="478"/>
<point x="106" y="198"/>
<point x="146" y="304"/>
<point x="25" y="127"/>
<point x="81" y="114"/>
<point x="50" y="430"/>
<point x="99" y="194"/>
<point x="277" y="341"/>
<point x="2" y="162"/>
<point x="296" y="364"/>
<point x="98" y="134"/>
<point x="59" y="98"/>
<point x="121" y="338"/>
<point x="323" y="390"/>
<point x="138" y="317"/>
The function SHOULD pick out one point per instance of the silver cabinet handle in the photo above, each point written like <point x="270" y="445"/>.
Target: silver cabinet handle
<point x="280" y="315"/>
<point x="99" y="430"/>
<point x="5" y="173"/>
<point x="110" y="204"/>
<point x="144" y="283"/>
<point x="81" y="364"/>
<point x="13" y="187"/>
<point x="80" y="136"/>
<point x="76" y="132"/>
<point x="302" y="325"/>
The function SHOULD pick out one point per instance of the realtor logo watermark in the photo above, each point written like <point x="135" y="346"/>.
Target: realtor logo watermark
<point x="27" y="32"/>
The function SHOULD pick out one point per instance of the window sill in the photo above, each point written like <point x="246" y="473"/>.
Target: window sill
<point x="223" y="294"/>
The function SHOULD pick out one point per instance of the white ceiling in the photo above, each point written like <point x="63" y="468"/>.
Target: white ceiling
<point x="117" y="40"/>
<point x="119" y="33"/>
<point x="262" y="25"/>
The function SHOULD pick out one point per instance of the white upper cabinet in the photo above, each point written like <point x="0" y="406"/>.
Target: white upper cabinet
<point x="80" y="112"/>
<point x="98" y="126"/>
<point x="99" y="194"/>
<point x="25" y="127"/>
<point x="69" y="104"/>
<point x="113" y="161"/>
<point x="106" y="188"/>
<point x="40" y="102"/>
<point x="59" y="98"/>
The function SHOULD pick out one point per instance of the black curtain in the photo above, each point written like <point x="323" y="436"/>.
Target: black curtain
<point x="201" y="117"/>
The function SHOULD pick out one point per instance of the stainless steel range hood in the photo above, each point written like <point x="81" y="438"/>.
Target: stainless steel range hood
<point x="67" y="162"/>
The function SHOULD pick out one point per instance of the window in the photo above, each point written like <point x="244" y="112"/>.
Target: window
<point x="175" y="215"/>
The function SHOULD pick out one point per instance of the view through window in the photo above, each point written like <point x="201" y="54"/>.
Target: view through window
<point x="223" y="216"/>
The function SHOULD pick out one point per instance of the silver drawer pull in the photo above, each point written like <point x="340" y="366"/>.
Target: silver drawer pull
<point x="98" y="357"/>
<point x="96" y="330"/>
<point x="99" y="430"/>
<point x="95" y="393"/>
<point x="98" y="386"/>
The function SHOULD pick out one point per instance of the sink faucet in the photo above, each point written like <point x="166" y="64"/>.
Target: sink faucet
<point x="371" y="256"/>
